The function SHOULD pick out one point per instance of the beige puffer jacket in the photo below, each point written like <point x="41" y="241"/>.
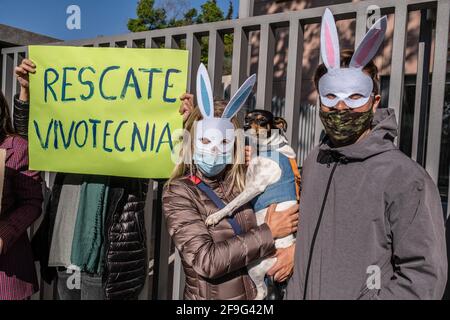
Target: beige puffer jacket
<point x="214" y="258"/>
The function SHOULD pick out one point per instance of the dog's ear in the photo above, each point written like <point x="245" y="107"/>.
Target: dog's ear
<point x="280" y="123"/>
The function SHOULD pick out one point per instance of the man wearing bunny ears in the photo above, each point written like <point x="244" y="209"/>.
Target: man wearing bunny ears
<point x="371" y="224"/>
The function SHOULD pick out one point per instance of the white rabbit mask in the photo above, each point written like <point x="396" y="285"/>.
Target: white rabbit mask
<point x="217" y="135"/>
<point x="340" y="84"/>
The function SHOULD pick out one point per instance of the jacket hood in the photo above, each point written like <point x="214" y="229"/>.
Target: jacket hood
<point x="379" y="140"/>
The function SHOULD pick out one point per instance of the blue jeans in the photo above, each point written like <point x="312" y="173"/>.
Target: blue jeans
<point x="79" y="286"/>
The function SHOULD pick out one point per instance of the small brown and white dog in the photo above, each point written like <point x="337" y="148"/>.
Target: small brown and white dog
<point x="271" y="178"/>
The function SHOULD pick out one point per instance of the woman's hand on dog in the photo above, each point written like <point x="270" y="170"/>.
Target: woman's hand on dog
<point x="282" y="223"/>
<point x="187" y="105"/>
<point x="284" y="266"/>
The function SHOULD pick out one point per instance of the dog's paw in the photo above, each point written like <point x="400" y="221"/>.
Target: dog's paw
<point x="261" y="293"/>
<point x="213" y="219"/>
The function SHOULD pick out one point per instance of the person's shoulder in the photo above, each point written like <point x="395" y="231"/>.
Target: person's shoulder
<point x="18" y="142"/>
<point x="405" y="172"/>
<point x="177" y="186"/>
<point x="402" y="164"/>
<point x="16" y="152"/>
<point x="178" y="192"/>
<point x="15" y="144"/>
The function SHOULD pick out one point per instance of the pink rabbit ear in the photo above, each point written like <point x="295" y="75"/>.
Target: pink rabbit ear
<point x="369" y="45"/>
<point x="329" y="41"/>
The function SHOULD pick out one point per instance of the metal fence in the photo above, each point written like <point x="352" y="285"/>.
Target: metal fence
<point x="166" y="277"/>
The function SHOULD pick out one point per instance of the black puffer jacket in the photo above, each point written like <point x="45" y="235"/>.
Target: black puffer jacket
<point x="126" y="261"/>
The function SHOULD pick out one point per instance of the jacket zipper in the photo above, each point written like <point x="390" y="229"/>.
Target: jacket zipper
<point x="316" y="230"/>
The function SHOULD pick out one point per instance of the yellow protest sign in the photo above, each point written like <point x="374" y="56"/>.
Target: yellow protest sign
<point x="105" y="111"/>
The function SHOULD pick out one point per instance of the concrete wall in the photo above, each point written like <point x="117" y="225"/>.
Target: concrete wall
<point x="11" y="37"/>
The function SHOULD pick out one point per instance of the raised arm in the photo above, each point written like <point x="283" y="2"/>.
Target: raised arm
<point x="21" y="100"/>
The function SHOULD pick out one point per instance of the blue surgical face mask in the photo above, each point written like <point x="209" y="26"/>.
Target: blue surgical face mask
<point x="211" y="164"/>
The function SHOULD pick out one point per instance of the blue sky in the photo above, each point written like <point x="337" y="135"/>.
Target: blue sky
<point x="98" y="17"/>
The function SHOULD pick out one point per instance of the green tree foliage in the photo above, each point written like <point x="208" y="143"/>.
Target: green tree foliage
<point x="190" y="17"/>
<point x="148" y="17"/>
<point x="210" y="12"/>
<point x="229" y="15"/>
<point x="151" y="17"/>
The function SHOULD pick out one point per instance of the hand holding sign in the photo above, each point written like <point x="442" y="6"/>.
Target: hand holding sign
<point x="22" y="73"/>
<point x="187" y="105"/>
<point x="105" y="111"/>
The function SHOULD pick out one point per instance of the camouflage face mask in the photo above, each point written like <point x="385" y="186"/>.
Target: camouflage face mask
<point x="344" y="127"/>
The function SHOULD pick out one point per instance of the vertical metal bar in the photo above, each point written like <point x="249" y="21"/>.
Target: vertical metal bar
<point x="161" y="254"/>
<point x="421" y="106"/>
<point x="306" y="117"/>
<point x="294" y="81"/>
<point x="317" y="124"/>
<point x="245" y="8"/>
<point x="398" y="62"/>
<point x="151" y="43"/>
<point x="308" y="129"/>
<point x="216" y="52"/>
<point x="9" y="78"/>
<point x="148" y="218"/>
<point x="265" y="67"/>
<point x="314" y="112"/>
<point x="148" y="42"/>
<point x="438" y="89"/>
<point x="171" y="43"/>
<point x="301" y="131"/>
<point x="18" y="57"/>
<point x="2" y="71"/>
<point x="240" y="54"/>
<point x="193" y="46"/>
<point x="361" y="25"/>
<point x="14" y="79"/>
<point x="178" y="278"/>
<point x="421" y="73"/>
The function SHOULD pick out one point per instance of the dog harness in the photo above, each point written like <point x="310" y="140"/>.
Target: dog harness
<point x="216" y="200"/>
<point x="293" y="163"/>
<point x="285" y="189"/>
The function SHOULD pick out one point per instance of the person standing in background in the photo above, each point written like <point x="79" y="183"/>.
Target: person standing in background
<point x="113" y="260"/>
<point x="21" y="204"/>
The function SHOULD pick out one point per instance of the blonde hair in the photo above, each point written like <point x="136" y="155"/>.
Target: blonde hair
<point x="185" y="164"/>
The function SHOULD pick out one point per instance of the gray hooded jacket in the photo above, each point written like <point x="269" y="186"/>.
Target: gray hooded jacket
<point x="381" y="233"/>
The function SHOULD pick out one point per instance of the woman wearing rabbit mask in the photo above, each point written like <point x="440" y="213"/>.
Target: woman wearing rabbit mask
<point x="372" y="224"/>
<point x="212" y="171"/>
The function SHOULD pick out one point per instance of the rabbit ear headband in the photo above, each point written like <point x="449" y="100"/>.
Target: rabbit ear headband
<point x="351" y="84"/>
<point x="218" y="131"/>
